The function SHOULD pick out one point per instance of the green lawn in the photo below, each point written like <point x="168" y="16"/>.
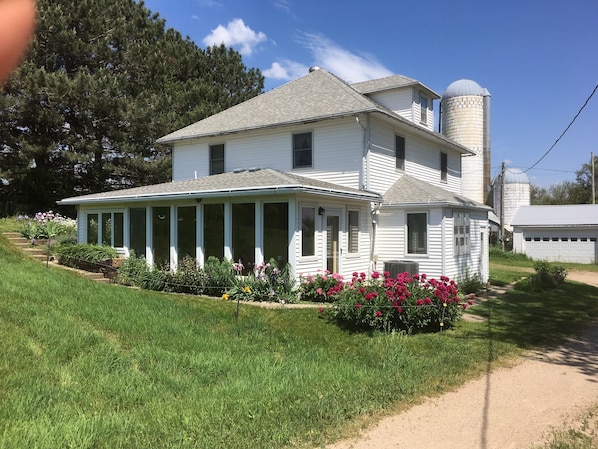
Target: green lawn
<point x="101" y="366"/>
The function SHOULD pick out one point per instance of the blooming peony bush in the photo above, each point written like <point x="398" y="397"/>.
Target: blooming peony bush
<point x="407" y="303"/>
<point x="321" y="287"/>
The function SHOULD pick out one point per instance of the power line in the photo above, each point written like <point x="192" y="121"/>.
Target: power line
<point x="565" y="131"/>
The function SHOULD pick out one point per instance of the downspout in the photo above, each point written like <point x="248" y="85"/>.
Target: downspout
<point x="375" y="213"/>
<point x="486" y="143"/>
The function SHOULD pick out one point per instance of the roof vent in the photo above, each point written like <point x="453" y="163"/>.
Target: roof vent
<point x="313" y="68"/>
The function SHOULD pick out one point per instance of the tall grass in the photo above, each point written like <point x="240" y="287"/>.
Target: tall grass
<point x="102" y="366"/>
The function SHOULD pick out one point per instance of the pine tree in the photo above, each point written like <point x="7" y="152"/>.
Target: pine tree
<point x="102" y="81"/>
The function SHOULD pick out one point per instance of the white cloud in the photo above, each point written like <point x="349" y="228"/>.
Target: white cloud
<point x="346" y="65"/>
<point x="286" y="70"/>
<point x="235" y="34"/>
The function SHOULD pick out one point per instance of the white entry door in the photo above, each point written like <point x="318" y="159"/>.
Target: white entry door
<point x="333" y="244"/>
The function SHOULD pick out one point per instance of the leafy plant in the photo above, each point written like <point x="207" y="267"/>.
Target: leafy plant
<point x="46" y="225"/>
<point x="187" y="278"/>
<point x="94" y="256"/>
<point x="132" y="270"/>
<point x="470" y="283"/>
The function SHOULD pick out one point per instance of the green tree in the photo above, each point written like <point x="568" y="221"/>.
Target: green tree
<point x="102" y="81"/>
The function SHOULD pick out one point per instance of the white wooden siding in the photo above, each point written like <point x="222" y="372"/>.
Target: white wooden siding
<point x="422" y="160"/>
<point x="189" y="160"/>
<point x="399" y="101"/>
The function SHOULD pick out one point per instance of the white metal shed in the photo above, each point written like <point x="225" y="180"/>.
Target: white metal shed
<point x="557" y="233"/>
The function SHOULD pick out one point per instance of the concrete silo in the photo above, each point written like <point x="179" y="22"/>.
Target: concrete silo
<point x="517" y="193"/>
<point x="465" y="118"/>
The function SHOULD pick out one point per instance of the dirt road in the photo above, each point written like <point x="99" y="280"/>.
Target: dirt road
<point x="507" y="408"/>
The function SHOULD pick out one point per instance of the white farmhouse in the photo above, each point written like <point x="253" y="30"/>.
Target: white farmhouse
<point x="318" y="173"/>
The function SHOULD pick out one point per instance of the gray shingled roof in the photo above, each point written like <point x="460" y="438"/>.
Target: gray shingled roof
<point x="254" y="181"/>
<point x="318" y="95"/>
<point x="557" y="215"/>
<point x="388" y="83"/>
<point x="409" y="191"/>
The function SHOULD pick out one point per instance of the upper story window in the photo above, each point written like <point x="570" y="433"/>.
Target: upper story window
<point x="400" y="152"/>
<point x="443" y="167"/>
<point x="423" y="106"/>
<point x="302" y="150"/>
<point x="216" y="159"/>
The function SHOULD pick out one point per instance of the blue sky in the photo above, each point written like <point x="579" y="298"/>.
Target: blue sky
<point x="538" y="58"/>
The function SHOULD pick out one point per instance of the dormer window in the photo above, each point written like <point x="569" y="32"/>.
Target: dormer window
<point x="423" y="106"/>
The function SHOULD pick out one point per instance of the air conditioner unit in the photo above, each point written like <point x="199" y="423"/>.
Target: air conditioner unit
<point x="395" y="267"/>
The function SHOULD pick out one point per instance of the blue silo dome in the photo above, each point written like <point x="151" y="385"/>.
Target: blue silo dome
<point x="463" y="88"/>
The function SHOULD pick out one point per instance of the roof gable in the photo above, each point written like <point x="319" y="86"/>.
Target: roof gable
<point x="390" y="83"/>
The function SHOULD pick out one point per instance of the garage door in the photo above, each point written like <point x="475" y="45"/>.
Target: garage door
<point x="561" y="249"/>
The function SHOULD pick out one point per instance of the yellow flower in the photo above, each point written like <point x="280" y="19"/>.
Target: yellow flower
<point x="444" y="304"/>
<point x="247" y="290"/>
<point x="225" y="297"/>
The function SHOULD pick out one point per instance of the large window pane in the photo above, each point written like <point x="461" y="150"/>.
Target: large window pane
<point x="137" y="230"/>
<point x="308" y="230"/>
<point x="213" y="230"/>
<point x="92" y="228"/>
<point x="244" y="234"/>
<point x="186" y="235"/>
<point x="276" y="232"/>
<point x="416" y="234"/>
<point x="161" y="235"/>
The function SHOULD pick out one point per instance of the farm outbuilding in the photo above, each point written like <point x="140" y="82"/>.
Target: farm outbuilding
<point x="558" y="233"/>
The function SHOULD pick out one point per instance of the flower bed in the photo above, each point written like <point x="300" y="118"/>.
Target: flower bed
<point x="406" y="303"/>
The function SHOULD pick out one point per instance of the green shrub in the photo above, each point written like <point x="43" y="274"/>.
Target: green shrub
<point x="45" y="225"/>
<point x="547" y="276"/>
<point x="132" y="270"/>
<point x="470" y="283"/>
<point x="86" y="256"/>
<point x="187" y="278"/>
<point x="498" y="253"/>
<point x="220" y="276"/>
<point x="271" y="283"/>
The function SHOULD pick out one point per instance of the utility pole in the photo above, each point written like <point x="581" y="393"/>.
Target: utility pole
<point x="502" y="205"/>
<point x="593" y="180"/>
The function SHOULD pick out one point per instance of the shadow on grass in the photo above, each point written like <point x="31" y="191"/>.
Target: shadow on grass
<point x="543" y="320"/>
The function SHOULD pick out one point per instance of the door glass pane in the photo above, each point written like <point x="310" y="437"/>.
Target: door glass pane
<point x="308" y="231"/>
<point x="92" y="228"/>
<point x="118" y="230"/>
<point x="332" y="243"/>
<point x="161" y="236"/>
<point x="213" y="230"/>
<point x="186" y="235"/>
<point x="107" y="229"/>
<point x="137" y="231"/>
<point x="276" y="232"/>
<point x="244" y="235"/>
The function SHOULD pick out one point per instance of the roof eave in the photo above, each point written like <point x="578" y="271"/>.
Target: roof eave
<point x="365" y="196"/>
<point x="303" y="121"/>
